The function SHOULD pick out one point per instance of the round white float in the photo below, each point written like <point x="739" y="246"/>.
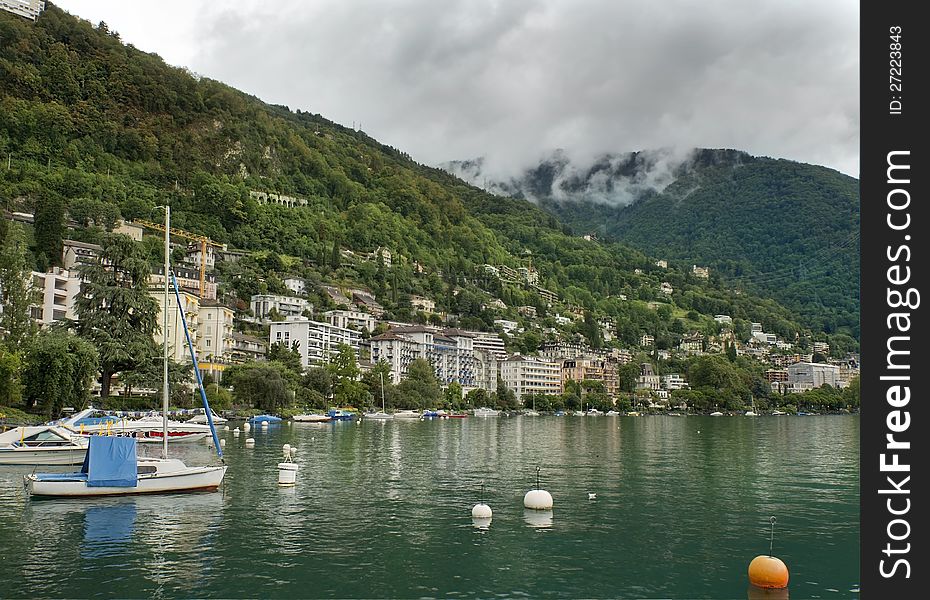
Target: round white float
<point x="287" y="473"/>
<point x="246" y="426"/>
<point x="264" y="424"/>
<point x="225" y="427"/>
<point x="481" y="511"/>
<point x="250" y="442"/>
<point x="538" y="500"/>
<point x="222" y="443"/>
<point x="236" y="432"/>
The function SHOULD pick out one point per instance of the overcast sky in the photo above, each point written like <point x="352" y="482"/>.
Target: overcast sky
<point x="513" y="79"/>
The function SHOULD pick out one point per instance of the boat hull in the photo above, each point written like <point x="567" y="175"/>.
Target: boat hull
<point x="193" y="479"/>
<point x="55" y="456"/>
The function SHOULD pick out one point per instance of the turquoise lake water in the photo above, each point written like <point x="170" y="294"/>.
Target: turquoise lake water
<point x="383" y="510"/>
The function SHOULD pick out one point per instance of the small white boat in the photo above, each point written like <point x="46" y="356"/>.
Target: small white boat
<point x="716" y="413"/>
<point x="312" y="418"/>
<point x="378" y="416"/>
<point x="531" y="413"/>
<point x="112" y="469"/>
<point x="578" y="413"/>
<point x="486" y="412"/>
<point x="41" y="445"/>
<point x="201" y="418"/>
<point x="751" y="413"/>
<point x="407" y="414"/>
<point x="779" y="412"/>
<point x="611" y="413"/>
<point x="593" y="412"/>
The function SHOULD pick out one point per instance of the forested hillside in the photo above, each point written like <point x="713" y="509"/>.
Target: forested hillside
<point x="780" y="228"/>
<point x="92" y="129"/>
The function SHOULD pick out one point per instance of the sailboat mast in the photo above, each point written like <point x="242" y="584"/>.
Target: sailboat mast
<point x="382" y="391"/>
<point x="164" y="329"/>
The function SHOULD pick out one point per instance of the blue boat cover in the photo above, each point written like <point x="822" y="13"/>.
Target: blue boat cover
<point x="110" y="462"/>
<point x="265" y="418"/>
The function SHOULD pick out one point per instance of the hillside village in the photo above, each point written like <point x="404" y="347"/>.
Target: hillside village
<point x="230" y="333"/>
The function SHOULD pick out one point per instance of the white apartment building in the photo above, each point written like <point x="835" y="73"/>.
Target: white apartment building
<point x="490" y="343"/>
<point x="674" y="382"/>
<point x="193" y="255"/>
<point x="24" y="8"/>
<point x="317" y="341"/>
<point x="75" y="253"/>
<point x="451" y="353"/>
<point x="487" y="369"/>
<point x="807" y="375"/>
<point x="296" y="284"/>
<point x="530" y="375"/>
<point x="648" y="380"/>
<point x="286" y="306"/>
<point x="176" y="340"/>
<point x="724" y="319"/>
<point x="506" y="325"/>
<point x="350" y="319"/>
<point x="55" y="292"/>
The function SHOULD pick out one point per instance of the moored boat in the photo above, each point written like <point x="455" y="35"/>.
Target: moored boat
<point x="338" y="414"/>
<point x="312" y="418"/>
<point x="41" y="445"/>
<point x="112" y="468"/>
<point x="486" y="412"/>
<point x="407" y="414"/>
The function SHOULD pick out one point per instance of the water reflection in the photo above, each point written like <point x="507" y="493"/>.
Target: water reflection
<point x="539" y="519"/>
<point x="481" y="522"/>
<point x="108" y="529"/>
<point x="757" y="593"/>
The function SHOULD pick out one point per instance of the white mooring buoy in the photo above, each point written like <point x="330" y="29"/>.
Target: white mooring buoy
<point x="287" y="470"/>
<point x="592" y="496"/>
<point x="222" y="443"/>
<point x="250" y="442"/>
<point x="236" y="432"/>
<point x="225" y="427"/>
<point x="538" y="499"/>
<point x="264" y="424"/>
<point x="246" y="426"/>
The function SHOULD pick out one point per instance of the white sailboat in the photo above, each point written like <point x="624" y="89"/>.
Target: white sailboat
<point x="112" y="467"/>
<point x="383" y="416"/>
<point x="752" y="410"/>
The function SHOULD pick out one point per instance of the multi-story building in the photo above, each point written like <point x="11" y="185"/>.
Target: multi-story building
<point x="647" y="340"/>
<point x="674" y="382"/>
<point x="648" y="380"/>
<point x="593" y="369"/>
<point x="422" y="303"/>
<point x="487" y="370"/>
<point x="702" y="272"/>
<point x="776" y="375"/>
<point x="556" y="351"/>
<point x="24" y="8"/>
<point x="175" y="338"/>
<point x="821" y="348"/>
<point x="193" y="255"/>
<point x="316" y="341"/>
<point x="451" y="353"/>
<point x="215" y="342"/>
<point x="692" y="342"/>
<point x="188" y="280"/>
<point x="75" y="253"/>
<point x="247" y="348"/>
<point x="807" y="375"/>
<point x="297" y="285"/>
<point x="350" y="319"/>
<point x="506" y="325"/>
<point x="489" y="342"/>
<point x="723" y="319"/>
<point x="55" y="293"/>
<point x="285" y="306"/>
<point x="529" y="375"/>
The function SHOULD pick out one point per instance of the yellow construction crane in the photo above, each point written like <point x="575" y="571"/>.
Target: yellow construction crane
<point x="204" y="242"/>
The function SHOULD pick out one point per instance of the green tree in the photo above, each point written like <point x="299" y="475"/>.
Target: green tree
<point x="58" y="371"/>
<point x="420" y="389"/>
<point x="115" y="311"/>
<point x="290" y="357"/>
<point x="10" y="365"/>
<point x="15" y="291"/>
<point x="263" y="385"/>
<point x="49" y="231"/>
<point x="506" y="397"/>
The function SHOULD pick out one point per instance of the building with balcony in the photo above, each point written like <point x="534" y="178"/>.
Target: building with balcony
<point x="247" y="348"/>
<point x="215" y="343"/>
<point x="317" y="342"/>
<point x="55" y="293"/>
<point x="175" y="338"/>
<point x="285" y="306"/>
<point x="350" y="319"/>
<point x="530" y="375"/>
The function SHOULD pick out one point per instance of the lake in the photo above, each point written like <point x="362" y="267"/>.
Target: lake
<point x="383" y="509"/>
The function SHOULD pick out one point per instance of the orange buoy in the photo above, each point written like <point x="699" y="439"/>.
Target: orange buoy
<point x="768" y="572"/>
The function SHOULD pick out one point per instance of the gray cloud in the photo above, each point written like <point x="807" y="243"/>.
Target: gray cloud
<point x="512" y="80"/>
